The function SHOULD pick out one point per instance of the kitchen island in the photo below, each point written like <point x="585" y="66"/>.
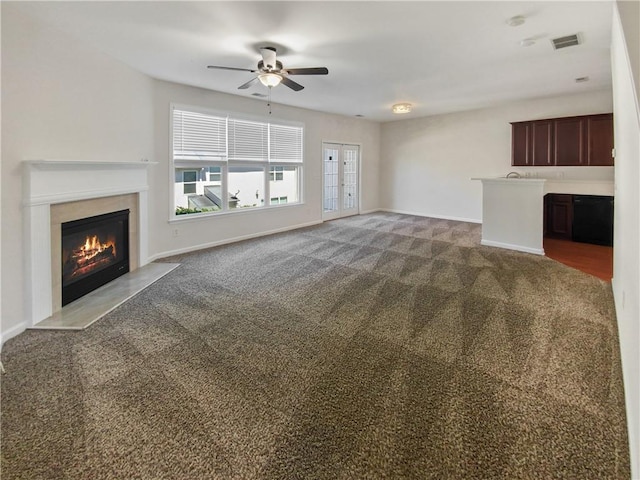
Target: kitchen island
<point x="513" y="209"/>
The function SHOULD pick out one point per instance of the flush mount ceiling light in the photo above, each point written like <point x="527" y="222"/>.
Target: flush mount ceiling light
<point x="515" y="21"/>
<point x="270" y="79"/>
<point x="401" y="108"/>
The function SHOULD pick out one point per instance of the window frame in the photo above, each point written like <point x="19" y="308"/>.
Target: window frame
<point x="226" y="163"/>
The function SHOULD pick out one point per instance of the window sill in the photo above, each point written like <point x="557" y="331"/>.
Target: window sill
<point x="239" y="211"/>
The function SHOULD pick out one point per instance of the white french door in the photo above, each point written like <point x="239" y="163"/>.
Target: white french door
<point x="340" y="180"/>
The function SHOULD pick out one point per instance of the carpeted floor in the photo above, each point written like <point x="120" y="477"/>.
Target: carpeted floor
<point x="378" y="346"/>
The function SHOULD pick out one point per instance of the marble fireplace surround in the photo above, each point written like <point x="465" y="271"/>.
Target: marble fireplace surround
<point x="57" y="191"/>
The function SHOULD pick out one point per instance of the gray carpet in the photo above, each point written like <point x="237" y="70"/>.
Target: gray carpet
<point x="378" y="346"/>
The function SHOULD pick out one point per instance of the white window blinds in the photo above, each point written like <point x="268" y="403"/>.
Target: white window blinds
<point x="248" y="140"/>
<point x="197" y="136"/>
<point x="285" y="143"/>
<point x="200" y="136"/>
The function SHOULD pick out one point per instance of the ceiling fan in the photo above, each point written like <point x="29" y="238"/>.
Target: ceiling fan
<point x="271" y="72"/>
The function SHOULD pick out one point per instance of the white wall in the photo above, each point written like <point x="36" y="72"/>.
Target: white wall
<point x="319" y="127"/>
<point x="0" y="201"/>
<point x="427" y="163"/>
<point x="60" y="100"/>
<point x="626" y="260"/>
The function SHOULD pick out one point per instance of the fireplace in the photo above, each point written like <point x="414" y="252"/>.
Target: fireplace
<point x="60" y="191"/>
<point x="95" y="251"/>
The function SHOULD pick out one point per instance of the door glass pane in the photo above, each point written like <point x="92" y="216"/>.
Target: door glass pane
<point x="331" y="183"/>
<point x="350" y="177"/>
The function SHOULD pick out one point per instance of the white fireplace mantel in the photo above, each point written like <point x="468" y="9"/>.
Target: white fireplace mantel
<point x="49" y="182"/>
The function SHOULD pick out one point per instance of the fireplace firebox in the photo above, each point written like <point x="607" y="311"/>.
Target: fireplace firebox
<point x="95" y="251"/>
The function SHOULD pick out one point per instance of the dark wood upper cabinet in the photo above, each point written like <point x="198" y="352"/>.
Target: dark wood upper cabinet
<point x="571" y="141"/>
<point x="600" y="140"/>
<point x="542" y="140"/>
<point x="521" y="144"/>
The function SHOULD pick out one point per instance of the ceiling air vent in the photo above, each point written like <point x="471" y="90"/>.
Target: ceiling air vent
<point x="564" y="42"/>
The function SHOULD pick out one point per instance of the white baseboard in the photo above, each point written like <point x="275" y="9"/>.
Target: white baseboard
<point x="226" y="241"/>
<point x="508" y="246"/>
<point x="430" y="215"/>
<point x="11" y="332"/>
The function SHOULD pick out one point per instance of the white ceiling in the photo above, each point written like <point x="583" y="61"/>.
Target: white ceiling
<point x="439" y="56"/>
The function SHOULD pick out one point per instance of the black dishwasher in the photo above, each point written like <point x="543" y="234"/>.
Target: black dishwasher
<point x="593" y="219"/>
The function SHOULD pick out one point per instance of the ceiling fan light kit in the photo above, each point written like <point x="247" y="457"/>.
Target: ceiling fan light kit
<point x="400" y="108"/>
<point x="270" y="79"/>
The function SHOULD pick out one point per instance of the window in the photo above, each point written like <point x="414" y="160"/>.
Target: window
<point x="223" y="162"/>
<point x="189" y="178"/>
<point x="214" y="174"/>
<point x="278" y="200"/>
<point x="276" y="174"/>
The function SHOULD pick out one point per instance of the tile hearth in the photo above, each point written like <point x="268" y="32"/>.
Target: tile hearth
<point x="83" y="312"/>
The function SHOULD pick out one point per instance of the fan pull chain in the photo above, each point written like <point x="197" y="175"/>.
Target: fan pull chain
<point x="269" y="101"/>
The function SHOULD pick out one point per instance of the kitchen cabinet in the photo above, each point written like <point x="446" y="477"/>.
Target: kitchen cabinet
<point x="558" y="214"/>
<point x="600" y="140"/>
<point x="531" y="144"/>
<point x="520" y="144"/>
<point x="542" y="154"/>
<point x="570" y="141"/>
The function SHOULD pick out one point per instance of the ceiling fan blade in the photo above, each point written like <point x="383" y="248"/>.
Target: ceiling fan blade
<point x="291" y="84"/>
<point x="248" y="84"/>
<point x="268" y="57"/>
<point x="232" y="68"/>
<point x="308" y="71"/>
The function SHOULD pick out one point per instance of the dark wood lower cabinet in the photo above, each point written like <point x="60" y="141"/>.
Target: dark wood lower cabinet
<point x="558" y="215"/>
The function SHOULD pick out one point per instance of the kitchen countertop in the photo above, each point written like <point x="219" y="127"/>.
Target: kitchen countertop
<point x="560" y="185"/>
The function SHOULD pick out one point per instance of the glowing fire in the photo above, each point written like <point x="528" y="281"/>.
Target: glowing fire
<point x="91" y="256"/>
<point x="93" y="247"/>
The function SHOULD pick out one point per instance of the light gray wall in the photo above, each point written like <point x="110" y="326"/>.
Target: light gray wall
<point x="626" y="255"/>
<point x="427" y="164"/>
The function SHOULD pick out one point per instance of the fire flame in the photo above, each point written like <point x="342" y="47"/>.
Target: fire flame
<point x="92" y="247"/>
